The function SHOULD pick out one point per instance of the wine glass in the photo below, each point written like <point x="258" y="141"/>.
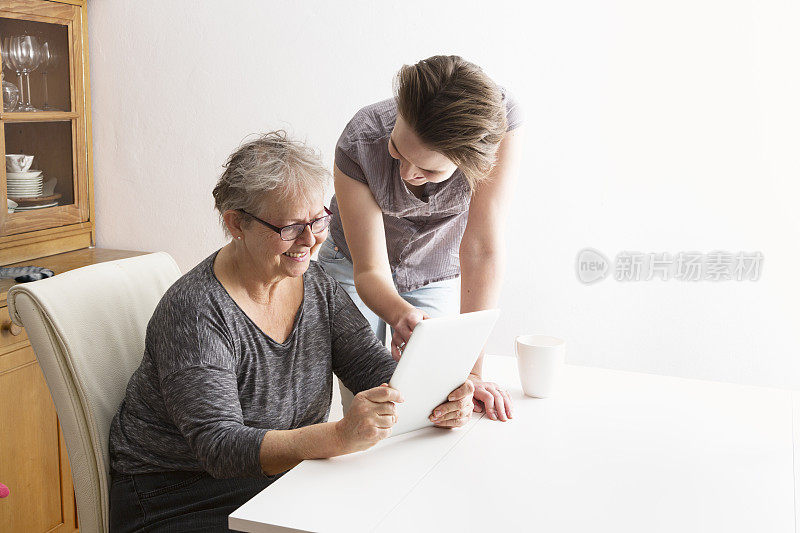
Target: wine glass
<point x="10" y="96"/>
<point x="9" y="60"/>
<point x="6" y="60"/>
<point x="48" y="59"/>
<point x="25" y="51"/>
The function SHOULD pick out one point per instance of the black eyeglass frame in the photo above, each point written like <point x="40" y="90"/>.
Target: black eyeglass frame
<point x="279" y="230"/>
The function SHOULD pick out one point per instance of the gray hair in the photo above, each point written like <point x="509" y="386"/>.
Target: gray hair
<point x="270" y="166"/>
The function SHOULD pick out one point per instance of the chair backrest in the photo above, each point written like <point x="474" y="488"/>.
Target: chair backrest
<point x="87" y="328"/>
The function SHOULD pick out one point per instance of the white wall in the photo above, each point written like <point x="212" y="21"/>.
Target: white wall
<point x="652" y="126"/>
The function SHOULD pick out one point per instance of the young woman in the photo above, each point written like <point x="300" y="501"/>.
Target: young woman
<point x="422" y="185"/>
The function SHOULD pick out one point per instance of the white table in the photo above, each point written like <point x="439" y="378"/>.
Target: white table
<point x="614" y="451"/>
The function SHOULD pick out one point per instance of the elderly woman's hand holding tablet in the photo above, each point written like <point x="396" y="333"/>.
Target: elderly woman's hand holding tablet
<point x="457" y="411"/>
<point x="370" y="418"/>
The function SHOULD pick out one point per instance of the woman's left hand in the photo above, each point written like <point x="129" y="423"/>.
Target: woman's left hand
<point x="403" y="327"/>
<point x="492" y="399"/>
<point x="457" y="411"/>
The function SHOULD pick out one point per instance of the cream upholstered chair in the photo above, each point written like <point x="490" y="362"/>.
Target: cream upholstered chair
<point x="87" y="328"/>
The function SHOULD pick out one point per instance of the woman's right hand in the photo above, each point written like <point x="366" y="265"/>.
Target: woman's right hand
<point x="403" y="326"/>
<point x="370" y="418"/>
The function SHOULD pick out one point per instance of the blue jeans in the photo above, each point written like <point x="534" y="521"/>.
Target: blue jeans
<point x="177" y="501"/>
<point x="440" y="298"/>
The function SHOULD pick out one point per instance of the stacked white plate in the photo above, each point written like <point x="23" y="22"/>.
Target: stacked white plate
<point x="24" y="184"/>
<point x="32" y="207"/>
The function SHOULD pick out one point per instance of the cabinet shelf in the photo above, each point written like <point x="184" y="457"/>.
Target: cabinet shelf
<point x="39" y="116"/>
<point x="23" y="221"/>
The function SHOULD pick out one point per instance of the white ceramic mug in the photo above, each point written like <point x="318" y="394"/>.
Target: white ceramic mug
<point x="540" y="359"/>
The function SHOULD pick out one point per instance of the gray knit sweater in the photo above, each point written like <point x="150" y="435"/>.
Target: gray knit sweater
<point x="212" y="383"/>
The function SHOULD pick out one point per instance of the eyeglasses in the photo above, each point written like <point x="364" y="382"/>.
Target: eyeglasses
<point x="293" y="231"/>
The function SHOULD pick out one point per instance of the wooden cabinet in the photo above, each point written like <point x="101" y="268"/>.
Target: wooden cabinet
<point x="33" y="458"/>
<point x="44" y="60"/>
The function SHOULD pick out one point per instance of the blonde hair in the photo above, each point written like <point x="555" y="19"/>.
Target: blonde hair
<point x="456" y="110"/>
<point x="271" y="165"/>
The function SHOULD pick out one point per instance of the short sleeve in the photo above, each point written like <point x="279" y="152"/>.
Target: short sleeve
<point x="346" y="155"/>
<point x="514" y="114"/>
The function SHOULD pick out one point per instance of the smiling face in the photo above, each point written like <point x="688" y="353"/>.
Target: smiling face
<point x="418" y="164"/>
<point x="272" y="256"/>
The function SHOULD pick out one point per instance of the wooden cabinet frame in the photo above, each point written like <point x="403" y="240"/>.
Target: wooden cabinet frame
<point x="67" y="227"/>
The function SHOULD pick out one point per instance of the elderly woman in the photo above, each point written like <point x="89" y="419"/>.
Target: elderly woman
<point x="235" y="385"/>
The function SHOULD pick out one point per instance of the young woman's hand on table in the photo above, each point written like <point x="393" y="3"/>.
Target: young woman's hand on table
<point x="491" y="398"/>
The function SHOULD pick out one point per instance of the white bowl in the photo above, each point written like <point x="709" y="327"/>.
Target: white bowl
<point x="18" y="162"/>
<point x="11" y="205"/>
<point x="23" y="174"/>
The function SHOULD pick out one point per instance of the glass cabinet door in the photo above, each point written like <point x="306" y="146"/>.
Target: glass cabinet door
<point x="44" y="176"/>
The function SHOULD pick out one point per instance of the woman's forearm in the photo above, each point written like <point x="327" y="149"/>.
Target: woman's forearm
<point x="362" y="222"/>
<point x="284" y="449"/>
<point x="377" y="290"/>
<point x="481" y="281"/>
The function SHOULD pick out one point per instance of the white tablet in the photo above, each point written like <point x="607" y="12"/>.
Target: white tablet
<point x="436" y="360"/>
